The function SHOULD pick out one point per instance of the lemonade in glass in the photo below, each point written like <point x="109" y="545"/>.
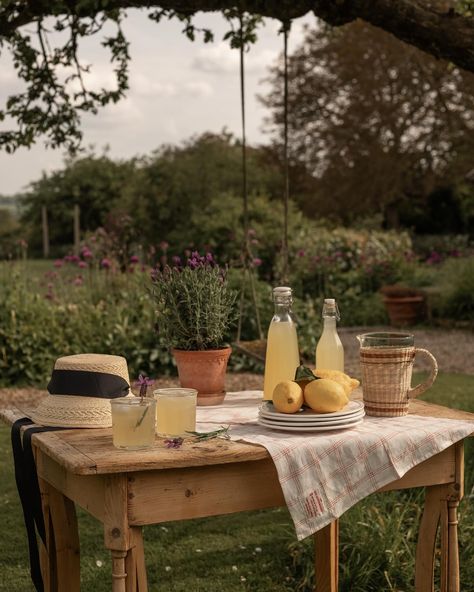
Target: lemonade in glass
<point x="175" y="411"/>
<point x="133" y="422"/>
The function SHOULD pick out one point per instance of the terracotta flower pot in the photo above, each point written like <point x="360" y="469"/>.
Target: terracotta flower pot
<point x="407" y="310"/>
<point x="204" y="371"/>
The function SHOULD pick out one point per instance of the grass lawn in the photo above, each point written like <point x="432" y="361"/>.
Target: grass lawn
<point x="257" y="551"/>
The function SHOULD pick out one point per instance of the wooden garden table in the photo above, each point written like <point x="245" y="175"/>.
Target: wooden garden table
<point x="127" y="490"/>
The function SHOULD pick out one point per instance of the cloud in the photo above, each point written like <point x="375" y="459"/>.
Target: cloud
<point x="221" y="59"/>
<point x="145" y="87"/>
<point x="198" y="88"/>
<point x="116" y="115"/>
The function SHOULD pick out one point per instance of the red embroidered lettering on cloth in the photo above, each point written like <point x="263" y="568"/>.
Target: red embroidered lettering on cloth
<point x="314" y="504"/>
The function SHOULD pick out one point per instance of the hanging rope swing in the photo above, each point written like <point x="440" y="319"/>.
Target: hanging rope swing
<point x="256" y="349"/>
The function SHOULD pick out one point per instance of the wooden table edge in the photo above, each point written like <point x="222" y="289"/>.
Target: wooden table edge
<point x="80" y="463"/>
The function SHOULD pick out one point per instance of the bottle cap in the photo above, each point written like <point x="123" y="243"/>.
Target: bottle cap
<point x="282" y="290"/>
<point x="330" y="309"/>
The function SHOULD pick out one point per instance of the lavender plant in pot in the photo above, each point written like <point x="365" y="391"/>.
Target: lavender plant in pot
<point x="195" y="309"/>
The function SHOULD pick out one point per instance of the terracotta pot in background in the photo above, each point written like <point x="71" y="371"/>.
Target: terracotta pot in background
<point x="405" y="306"/>
<point x="406" y="310"/>
<point x="204" y="371"/>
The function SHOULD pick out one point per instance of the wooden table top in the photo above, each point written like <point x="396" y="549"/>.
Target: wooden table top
<point x="91" y="452"/>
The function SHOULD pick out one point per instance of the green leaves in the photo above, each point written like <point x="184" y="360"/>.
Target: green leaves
<point x="56" y="94"/>
<point x="305" y="373"/>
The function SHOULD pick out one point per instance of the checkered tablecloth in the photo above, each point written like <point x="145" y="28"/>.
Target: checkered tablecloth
<point x="322" y="475"/>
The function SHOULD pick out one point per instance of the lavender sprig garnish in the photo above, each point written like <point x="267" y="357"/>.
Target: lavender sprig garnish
<point x="143" y="382"/>
<point x="223" y="432"/>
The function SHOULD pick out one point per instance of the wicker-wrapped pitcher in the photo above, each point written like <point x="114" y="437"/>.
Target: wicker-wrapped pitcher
<point x="386" y="361"/>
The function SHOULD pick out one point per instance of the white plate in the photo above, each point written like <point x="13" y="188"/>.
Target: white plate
<point x="297" y="428"/>
<point x="268" y="411"/>
<point x="314" y="422"/>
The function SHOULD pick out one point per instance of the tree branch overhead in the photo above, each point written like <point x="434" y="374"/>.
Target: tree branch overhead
<point x="51" y="107"/>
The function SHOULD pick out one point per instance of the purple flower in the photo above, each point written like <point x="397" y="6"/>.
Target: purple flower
<point x="105" y="263"/>
<point x="256" y="262"/>
<point x="134" y="259"/>
<point x="301" y="253"/>
<point x="86" y="253"/>
<point x="78" y="280"/>
<point x="434" y="258"/>
<point x="143" y="382"/>
<point x="176" y="260"/>
<point x="58" y="263"/>
<point x="74" y="259"/>
<point x="82" y="264"/>
<point x="174" y="443"/>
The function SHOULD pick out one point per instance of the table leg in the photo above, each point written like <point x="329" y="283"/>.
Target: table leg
<point x="125" y="542"/>
<point x="450" y="581"/>
<point x="441" y="503"/>
<point x="440" y="509"/>
<point x="426" y="547"/>
<point x="449" y="546"/>
<point x="119" y="575"/>
<point x="61" y="560"/>
<point x="135" y="563"/>
<point x="326" y="558"/>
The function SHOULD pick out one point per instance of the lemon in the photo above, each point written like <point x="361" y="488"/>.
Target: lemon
<point x="342" y="378"/>
<point x="287" y="397"/>
<point x="325" y="395"/>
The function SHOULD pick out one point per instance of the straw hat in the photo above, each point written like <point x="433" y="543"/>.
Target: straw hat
<point x="81" y="388"/>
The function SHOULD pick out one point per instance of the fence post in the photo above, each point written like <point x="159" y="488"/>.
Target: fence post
<point x="77" y="228"/>
<point x="44" y="224"/>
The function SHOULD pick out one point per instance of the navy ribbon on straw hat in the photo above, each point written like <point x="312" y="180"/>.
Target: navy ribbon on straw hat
<point x="87" y="384"/>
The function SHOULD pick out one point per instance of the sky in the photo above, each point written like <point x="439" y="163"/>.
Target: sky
<point x="178" y="88"/>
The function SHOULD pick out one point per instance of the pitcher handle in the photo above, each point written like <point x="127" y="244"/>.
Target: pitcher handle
<point x="423" y="386"/>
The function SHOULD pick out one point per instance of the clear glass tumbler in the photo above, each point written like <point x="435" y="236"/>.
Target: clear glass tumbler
<point x="175" y="411"/>
<point x="133" y="422"/>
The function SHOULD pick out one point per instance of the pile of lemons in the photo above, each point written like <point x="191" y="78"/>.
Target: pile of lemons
<point x="325" y="391"/>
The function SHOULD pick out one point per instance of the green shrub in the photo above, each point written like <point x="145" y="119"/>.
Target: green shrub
<point x="330" y="262"/>
<point x="36" y="326"/>
<point x="457" y="284"/>
<point x="444" y="245"/>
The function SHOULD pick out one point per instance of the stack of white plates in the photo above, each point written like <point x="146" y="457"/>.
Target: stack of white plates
<point x="307" y="420"/>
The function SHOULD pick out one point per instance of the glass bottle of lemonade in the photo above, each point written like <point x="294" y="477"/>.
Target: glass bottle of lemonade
<point x="329" y="351"/>
<point x="282" y="357"/>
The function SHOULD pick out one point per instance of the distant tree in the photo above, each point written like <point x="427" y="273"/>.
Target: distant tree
<point x="177" y="183"/>
<point x="374" y="120"/>
<point x="95" y="183"/>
